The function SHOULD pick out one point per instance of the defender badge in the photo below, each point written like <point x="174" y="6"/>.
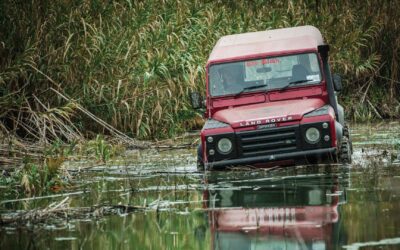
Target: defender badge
<point x="271" y="125"/>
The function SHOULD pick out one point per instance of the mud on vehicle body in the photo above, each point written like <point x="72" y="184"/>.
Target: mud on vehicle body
<point x="271" y="100"/>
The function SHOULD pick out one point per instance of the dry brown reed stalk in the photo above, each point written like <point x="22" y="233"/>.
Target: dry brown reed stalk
<point x="123" y="138"/>
<point x="13" y="151"/>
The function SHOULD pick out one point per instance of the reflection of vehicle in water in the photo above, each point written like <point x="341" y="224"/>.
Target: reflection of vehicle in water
<point x="290" y="213"/>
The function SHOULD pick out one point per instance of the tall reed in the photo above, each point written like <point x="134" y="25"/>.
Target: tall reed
<point x="133" y="63"/>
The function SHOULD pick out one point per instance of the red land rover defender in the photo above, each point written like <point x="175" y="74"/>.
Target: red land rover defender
<point x="271" y="99"/>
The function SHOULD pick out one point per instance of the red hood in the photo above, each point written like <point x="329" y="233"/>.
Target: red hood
<point x="264" y="113"/>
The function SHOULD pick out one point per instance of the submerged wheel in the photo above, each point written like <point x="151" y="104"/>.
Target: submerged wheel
<point x="346" y="133"/>
<point x="346" y="147"/>
<point x="345" y="151"/>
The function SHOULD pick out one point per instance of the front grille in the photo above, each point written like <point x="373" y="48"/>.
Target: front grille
<point x="268" y="141"/>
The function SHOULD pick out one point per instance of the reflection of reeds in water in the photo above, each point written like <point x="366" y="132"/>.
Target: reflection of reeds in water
<point x="132" y="64"/>
<point x="371" y="213"/>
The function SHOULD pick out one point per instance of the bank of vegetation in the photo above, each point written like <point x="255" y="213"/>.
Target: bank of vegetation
<point x="133" y="63"/>
<point x="70" y="70"/>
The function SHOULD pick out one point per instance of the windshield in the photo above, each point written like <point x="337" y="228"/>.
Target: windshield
<point x="265" y="74"/>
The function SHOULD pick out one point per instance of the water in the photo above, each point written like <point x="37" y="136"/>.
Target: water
<point x="158" y="200"/>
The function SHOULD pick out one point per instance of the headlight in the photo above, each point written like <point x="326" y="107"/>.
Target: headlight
<point x="313" y="135"/>
<point x="224" y="146"/>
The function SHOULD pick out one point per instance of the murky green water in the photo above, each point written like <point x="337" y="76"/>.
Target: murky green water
<point x="172" y="206"/>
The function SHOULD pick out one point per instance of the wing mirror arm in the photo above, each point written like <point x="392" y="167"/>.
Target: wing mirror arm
<point x="197" y="100"/>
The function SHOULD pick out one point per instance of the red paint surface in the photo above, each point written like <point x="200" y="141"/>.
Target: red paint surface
<point x="308" y="91"/>
<point x="231" y="101"/>
<point x="272" y="111"/>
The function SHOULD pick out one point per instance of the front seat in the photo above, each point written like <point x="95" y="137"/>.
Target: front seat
<point x="299" y="73"/>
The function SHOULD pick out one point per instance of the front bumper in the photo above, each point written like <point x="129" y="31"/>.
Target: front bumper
<point x="271" y="157"/>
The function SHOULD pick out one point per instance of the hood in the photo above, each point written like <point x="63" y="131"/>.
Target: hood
<point x="265" y="113"/>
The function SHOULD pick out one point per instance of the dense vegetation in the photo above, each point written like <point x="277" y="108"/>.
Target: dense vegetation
<point x="133" y="63"/>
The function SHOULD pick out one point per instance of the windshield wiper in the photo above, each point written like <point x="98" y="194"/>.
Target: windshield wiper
<point x="293" y="83"/>
<point x="249" y="88"/>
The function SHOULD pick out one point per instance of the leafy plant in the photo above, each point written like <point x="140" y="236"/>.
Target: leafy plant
<point x="34" y="179"/>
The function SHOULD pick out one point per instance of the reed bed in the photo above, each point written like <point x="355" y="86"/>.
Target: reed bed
<point x="132" y="64"/>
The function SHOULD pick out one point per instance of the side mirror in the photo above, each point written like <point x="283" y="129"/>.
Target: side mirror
<point x="337" y="82"/>
<point x="197" y="100"/>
